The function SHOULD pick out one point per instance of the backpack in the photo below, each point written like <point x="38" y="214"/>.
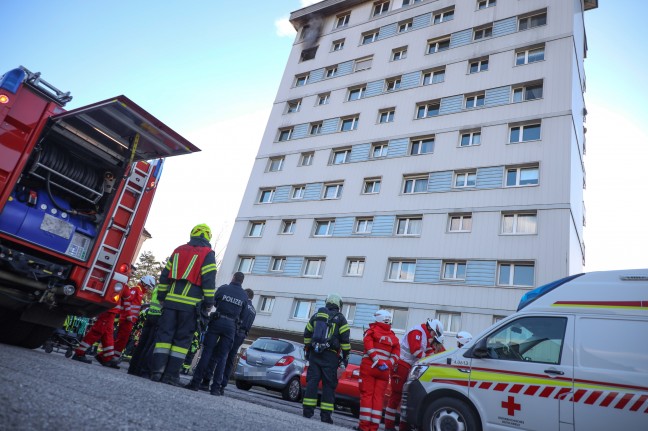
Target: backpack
<point x="320" y="341"/>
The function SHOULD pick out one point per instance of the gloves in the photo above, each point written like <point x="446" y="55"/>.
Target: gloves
<point x="383" y="366"/>
<point x="343" y="362"/>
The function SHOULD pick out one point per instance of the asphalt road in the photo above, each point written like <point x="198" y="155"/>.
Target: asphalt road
<point x="41" y="391"/>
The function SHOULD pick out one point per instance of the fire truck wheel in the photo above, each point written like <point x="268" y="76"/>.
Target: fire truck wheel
<point x="450" y="414"/>
<point x="37" y="336"/>
<point x="14" y="330"/>
<point x="69" y="352"/>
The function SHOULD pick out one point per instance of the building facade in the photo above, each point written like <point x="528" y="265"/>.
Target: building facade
<point x="424" y="156"/>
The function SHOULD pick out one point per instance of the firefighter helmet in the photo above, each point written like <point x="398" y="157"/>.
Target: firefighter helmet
<point x="383" y="316"/>
<point x="334" y="299"/>
<point x="202" y="231"/>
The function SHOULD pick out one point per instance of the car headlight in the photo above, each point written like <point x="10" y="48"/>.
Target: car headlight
<point x="416" y="372"/>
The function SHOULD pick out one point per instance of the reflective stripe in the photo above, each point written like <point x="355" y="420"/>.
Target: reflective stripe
<point x="309" y="327"/>
<point x="310" y="402"/>
<point x="344" y="328"/>
<point x="174" y="268"/>
<point x="326" y="406"/>
<point x="182" y="299"/>
<point x="307" y="341"/>
<point x="366" y="409"/>
<point x="182" y="350"/>
<point x="190" y="266"/>
<point x="208" y="268"/>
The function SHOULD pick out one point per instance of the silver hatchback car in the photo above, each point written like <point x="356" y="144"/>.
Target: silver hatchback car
<point x="272" y="363"/>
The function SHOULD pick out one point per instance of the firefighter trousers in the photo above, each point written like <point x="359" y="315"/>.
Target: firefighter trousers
<point x="321" y="367"/>
<point x="102" y="331"/>
<point x="398" y="379"/>
<point x="142" y="353"/>
<point x="172" y="341"/>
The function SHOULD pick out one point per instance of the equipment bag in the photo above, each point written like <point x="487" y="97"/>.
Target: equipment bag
<point x="322" y="333"/>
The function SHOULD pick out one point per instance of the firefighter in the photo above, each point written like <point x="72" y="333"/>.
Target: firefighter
<point x="231" y="307"/>
<point x="381" y="351"/>
<point x="129" y="317"/>
<point x="139" y="363"/>
<point x="463" y="338"/>
<point x="420" y="341"/>
<point x="325" y="335"/>
<point x="103" y="331"/>
<point x="186" y="287"/>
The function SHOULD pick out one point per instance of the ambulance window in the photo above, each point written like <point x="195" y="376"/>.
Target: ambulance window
<point x="530" y="339"/>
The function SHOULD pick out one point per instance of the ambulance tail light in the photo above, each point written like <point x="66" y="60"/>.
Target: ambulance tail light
<point x="285" y="361"/>
<point x="536" y="293"/>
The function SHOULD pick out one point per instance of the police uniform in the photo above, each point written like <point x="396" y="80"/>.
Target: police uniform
<point x="231" y="305"/>
<point x="243" y="331"/>
<point x="187" y="281"/>
<point x="323" y="365"/>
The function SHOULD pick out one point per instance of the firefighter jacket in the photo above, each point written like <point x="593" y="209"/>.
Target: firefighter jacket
<point x="231" y="302"/>
<point x="338" y="330"/>
<point x="189" y="277"/>
<point x="381" y="347"/>
<point x="417" y="343"/>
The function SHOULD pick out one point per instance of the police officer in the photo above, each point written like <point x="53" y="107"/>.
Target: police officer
<point x="231" y="306"/>
<point x="187" y="285"/>
<point x="139" y="362"/>
<point x="323" y="356"/>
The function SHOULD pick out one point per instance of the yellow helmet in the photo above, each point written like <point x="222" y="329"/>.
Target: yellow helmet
<point x="202" y="230"/>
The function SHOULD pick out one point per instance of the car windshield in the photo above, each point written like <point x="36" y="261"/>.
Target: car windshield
<point x="272" y="346"/>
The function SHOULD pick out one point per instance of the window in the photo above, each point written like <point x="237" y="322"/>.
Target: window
<point x="323" y="99"/>
<point x="371" y="186"/>
<point x="529" y="339"/>
<point x="266" y="196"/>
<point x="285" y="134"/>
<point x="301" y="80"/>
<point x="278" y="264"/>
<point x="438" y="45"/>
<point x="524" y="176"/>
<point x="422" y="146"/>
<point x="348" y="310"/>
<point x="314" y="267"/>
<point x="380" y="8"/>
<point x="293" y="106"/>
<point x="524" y="133"/>
<point x="306" y="159"/>
<point x="308" y="54"/>
<point x="428" y="109"/>
<point x="532" y="21"/>
<point x="454" y="271"/>
<point x="348" y="124"/>
<point x="498" y="319"/>
<point x="399" y="54"/>
<point x="315" y="128"/>
<point x="460" y="223"/>
<point x="401" y="270"/>
<point x="479" y="65"/>
<point x="433" y="76"/>
<point x="469" y="139"/>
<point x="342" y="20"/>
<point x="331" y="71"/>
<point x="415" y="185"/>
<point x="527" y="92"/>
<point x="356" y="93"/>
<point x="265" y="304"/>
<point x="530" y="55"/>
<point x="341" y="156"/>
<point x="519" y="223"/>
<point x="444" y="16"/>
<point x="245" y="264"/>
<point x="515" y="274"/>
<point x="324" y="227"/>
<point x="355" y="267"/>
<point x="409" y="2"/>
<point x="256" y="228"/>
<point x="409" y="226"/>
<point x="399" y="315"/>
<point x="370" y="37"/>
<point x="363" y="225"/>
<point x="404" y="26"/>
<point x="304" y="309"/>
<point x="392" y="84"/>
<point x="298" y="192"/>
<point x="483" y="4"/>
<point x="483" y="33"/>
<point x="288" y="227"/>
<point x="333" y="191"/>
<point x="363" y="64"/>
<point x="379" y="150"/>
<point x="386" y="115"/>
<point x="465" y="179"/>
<point x="337" y="45"/>
<point x="451" y="321"/>
<point x="275" y="164"/>
<point x="474" y="101"/>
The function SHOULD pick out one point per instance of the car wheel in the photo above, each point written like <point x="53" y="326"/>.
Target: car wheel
<point x="292" y="391"/>
<point x="450" y="414"/>
<point x="245" y="386"/>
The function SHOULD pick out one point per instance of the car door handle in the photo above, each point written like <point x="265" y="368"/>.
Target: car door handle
<point x="463" y="370"/>
<point x="556" y="372"/>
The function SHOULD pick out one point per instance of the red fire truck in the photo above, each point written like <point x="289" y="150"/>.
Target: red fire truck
<point x="75" y="190"/>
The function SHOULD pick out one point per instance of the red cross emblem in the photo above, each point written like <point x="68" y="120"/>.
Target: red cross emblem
<point x="511" y="406"/>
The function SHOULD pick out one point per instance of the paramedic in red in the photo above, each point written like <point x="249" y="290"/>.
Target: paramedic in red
<point x="129" y="316"/>
<point x="419" y="342"/>
<point x="103" y="331"/>
<point x="186" y="291"/>
<point x="381" y="351"/>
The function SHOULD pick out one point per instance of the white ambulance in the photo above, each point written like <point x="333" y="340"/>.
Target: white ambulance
<point x="573" y="357"/>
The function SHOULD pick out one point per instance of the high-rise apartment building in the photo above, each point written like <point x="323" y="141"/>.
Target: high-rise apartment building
<point x="423" y="156"/>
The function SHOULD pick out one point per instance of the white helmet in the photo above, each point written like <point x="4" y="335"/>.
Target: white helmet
<point x="436" y="326"/>
<point x="463" y="338"/>
<point x="148" y="281"/>
<point x="383" y="316"/>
